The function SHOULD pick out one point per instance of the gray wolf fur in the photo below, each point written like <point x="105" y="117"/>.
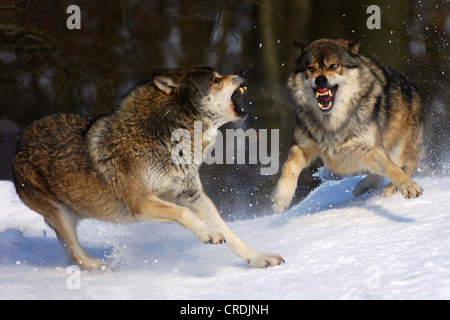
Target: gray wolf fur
<point x="118" y="167"/>
<point x="356" y="114"/>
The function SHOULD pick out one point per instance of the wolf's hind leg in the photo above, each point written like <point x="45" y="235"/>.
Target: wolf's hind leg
<point x="64" y="223"/>
<point x="65" y="226"/>
<point x="32" y="189"/>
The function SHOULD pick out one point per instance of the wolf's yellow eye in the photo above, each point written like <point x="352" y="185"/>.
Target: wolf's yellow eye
<point x="311" y="69"/>
<point x="334" y="66"/>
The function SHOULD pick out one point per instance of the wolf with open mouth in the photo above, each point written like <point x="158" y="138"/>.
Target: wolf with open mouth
<point x="356" y="114"/>
<point x="117" y="167"/>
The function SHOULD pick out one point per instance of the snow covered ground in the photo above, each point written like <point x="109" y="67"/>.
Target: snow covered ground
<point x="335" y="247"/>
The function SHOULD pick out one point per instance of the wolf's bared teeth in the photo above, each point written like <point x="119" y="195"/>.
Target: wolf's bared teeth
<point x="325" y="98"/>
<point x="242" y="89"/>
<point x="328" y="105"/>
<point x="327" y="93"/>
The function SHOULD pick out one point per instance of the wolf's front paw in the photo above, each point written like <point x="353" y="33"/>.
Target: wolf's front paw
<point x="265" y="260"/>
<point x="389" y="190"/>
<point x="212" y="238"/>
<point x="206" y="234"/>
<point x="281" y="199"/>
<point x="409" y="189"/>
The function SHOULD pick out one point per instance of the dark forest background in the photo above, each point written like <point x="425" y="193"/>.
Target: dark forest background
<point x="47" y="68"/>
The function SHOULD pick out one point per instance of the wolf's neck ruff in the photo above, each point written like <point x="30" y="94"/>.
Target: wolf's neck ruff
<point x="371" y="122"/>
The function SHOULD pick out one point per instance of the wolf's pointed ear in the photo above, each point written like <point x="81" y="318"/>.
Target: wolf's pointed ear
<point x="353" y="45"/>
<point x="164" y="83"/>
<point x="300" y="45"/>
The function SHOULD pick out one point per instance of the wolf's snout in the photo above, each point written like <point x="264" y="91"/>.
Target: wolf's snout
<point x="325" y="94"/>
<point x="321" y="82"/>
<point x="239" y="79"/>
<point x="242" y="86"/>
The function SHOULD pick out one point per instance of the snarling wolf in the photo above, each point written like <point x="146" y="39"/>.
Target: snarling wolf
<point x="356" y="114"/>
<point x="119" y="167"/>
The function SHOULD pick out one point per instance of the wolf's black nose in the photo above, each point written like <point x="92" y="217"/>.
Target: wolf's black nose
<point x="243" y="74"/>
<point x="321" y="82"/>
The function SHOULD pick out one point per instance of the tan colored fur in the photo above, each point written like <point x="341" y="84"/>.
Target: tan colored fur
<point x="118" y="167"/>
<point x="375" y="123"/>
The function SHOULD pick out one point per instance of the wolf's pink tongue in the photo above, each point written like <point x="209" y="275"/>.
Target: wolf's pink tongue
<point x="325" y="99"/>
<point x="322" y="90"/>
